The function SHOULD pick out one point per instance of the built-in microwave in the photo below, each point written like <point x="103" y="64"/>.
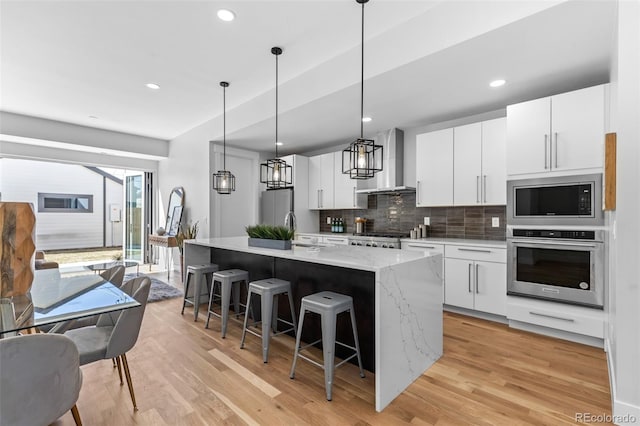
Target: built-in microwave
<point x="563" y="200"/>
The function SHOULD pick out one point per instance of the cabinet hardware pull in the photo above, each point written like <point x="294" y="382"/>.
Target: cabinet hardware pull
<point x="474" y="250"/>
<point x="416" y="245"/>
<point x="334" y="239"/>
<point x="478" y="189"/>
<point x="484" y="187"/>
<point x="469" y="278"/>
<point x="318" y="197"/>
<point x="354" y="196"/>
<point x="322" y="198"/>
<point x="546" y="153"/>
<point x="477" y="291"/>
<point x="556" y="148"/>
<point x="418" y="191"/>
<point x="552" y="316"/>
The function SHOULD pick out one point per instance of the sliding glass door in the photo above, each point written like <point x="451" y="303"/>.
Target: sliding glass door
<point x="137" y="201"/>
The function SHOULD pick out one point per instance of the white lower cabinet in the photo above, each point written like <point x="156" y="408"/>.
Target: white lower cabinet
<point x="558" y="316"/>
<point x="476" y="278"/>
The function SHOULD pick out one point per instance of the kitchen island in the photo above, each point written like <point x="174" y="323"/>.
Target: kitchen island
<point x="397" y="298"/>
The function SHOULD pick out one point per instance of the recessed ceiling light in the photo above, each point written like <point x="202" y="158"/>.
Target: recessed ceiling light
<point x="497" y="83"/>
<point x="153" y="86"/>
<point x="226" y="15"/>
<point x="366" y="119"/>
<point x="279" y="143"/>
<point x="93" y="116"/>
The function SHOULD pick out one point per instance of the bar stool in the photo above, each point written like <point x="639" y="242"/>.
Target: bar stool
<point x="229" y="280"/>
<point x="199" y="272"/>
<point x="328" y="305"/>
<point x="268" y="289"/>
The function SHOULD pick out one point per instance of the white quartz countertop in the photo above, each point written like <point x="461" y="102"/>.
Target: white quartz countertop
<point x="458" y="242"/>
<point x="362" y="258"/>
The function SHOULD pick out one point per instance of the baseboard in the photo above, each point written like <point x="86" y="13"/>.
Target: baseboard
<point x="476" y="314"/>
<point x="623" y="413"/>
<point x="559" y="334"/>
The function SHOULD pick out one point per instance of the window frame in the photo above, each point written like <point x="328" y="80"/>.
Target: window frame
<point x="44" y="195"/>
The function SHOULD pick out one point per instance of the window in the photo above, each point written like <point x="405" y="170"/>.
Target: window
<point x="68" y="203"/>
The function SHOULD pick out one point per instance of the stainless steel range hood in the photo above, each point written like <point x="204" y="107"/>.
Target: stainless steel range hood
<point x="391" y="178"/>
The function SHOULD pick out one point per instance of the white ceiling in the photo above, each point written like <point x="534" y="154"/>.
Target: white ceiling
<point x="69" y="60"/>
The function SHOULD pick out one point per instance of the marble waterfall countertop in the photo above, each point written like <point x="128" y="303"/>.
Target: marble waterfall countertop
<point x="363" y="258"/>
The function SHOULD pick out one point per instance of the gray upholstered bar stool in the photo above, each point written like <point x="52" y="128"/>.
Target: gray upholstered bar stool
<point x="199" y="272"/>
<point x="328" y="305"/>
<point x="229" y="280"/>
<point x="269" y="289"/>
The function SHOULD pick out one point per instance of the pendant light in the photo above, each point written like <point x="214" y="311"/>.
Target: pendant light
<point x="224" y="182"/>
<point x="276" y="173"/>
<point x="362" y="159"/>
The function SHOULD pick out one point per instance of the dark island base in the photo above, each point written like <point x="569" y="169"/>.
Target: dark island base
<point x="307" y="278"/>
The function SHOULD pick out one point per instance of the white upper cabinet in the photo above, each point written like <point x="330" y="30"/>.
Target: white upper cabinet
<point x="556" y="134"/>
<point x="462" y="166"/>
<point x="494" y="161"/>
<point x="434" y="168"/>
<point x="344" y="194"/>
<point x="467" y="164"/>
<point x="577" y="120"/>
<point x="321" y="181"/>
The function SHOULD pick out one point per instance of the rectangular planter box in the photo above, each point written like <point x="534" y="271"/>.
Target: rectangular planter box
<point x="272" y="244"/>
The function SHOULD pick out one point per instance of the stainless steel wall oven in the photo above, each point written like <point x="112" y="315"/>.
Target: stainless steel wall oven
<point x="565" y="265"/>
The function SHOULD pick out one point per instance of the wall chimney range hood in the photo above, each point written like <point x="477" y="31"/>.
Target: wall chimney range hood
<point x="391" y="178"/>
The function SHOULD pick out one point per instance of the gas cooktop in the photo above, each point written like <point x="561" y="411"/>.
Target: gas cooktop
<point x="383" y="235"/>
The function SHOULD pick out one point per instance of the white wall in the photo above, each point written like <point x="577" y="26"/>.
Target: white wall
<point x="22" y="180"/>
<point x="231" y="213"/>
<point x="625" y="285"/>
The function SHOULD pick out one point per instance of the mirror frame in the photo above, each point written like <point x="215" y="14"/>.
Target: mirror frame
<point x="178" y="191"/>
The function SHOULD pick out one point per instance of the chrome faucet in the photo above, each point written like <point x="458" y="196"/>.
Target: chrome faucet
<point x="290" y="220"/>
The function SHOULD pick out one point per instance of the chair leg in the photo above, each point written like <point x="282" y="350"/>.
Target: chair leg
<point x="76" y="415"/>
<point x="292" y="374"/>
<point x="127" y="373"/>
<point x="186" y="292"/>
<point x="246" y="318"/>
<point x="114" y="362"/>
<point x="119" y="370"/>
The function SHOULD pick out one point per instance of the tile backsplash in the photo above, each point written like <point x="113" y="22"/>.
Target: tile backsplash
<point x="398" y="213"/>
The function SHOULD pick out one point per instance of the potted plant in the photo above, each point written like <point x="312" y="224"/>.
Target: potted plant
<point x="188" y="232"/>
<point x="269" y="236"/>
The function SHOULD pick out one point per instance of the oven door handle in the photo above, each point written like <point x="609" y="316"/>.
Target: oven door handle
<point x="551" y="244"/>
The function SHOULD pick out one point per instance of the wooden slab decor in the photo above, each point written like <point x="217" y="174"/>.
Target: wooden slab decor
<point x="17" y="227"/>
<point x="610" y="171"/>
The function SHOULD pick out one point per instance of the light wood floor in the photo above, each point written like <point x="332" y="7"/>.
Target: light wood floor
<point x="489" y="374"/>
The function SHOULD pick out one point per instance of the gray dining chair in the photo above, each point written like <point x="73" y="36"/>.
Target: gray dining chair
<point x="40" y="379"/>
<point x="115" y="275"/>
<point x="112" y="337"/>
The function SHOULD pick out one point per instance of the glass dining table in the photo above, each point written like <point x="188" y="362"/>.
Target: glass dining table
<point x="54" y="298"/>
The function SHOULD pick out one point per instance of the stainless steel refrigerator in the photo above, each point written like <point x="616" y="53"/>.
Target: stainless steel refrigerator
<point x="274" y="205"/>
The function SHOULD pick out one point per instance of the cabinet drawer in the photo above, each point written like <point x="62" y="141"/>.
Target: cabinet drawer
<point x="423" y="246"/>
<point x="574" y="319"/>
<point x="336" y="240"/>
<point x="309" y="238"/>
<point x="476" y="253"/>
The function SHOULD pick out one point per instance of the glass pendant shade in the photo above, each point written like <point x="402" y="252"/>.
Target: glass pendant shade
<point x="276" y="173"/>
<point x="362" y="159"/>
<point x="224" y="182"/>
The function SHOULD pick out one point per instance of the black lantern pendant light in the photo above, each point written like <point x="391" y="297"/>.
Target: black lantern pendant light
<point x="362" y="159"/>
<point x="223" y="181"/>
<point x="276" y="173"/>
